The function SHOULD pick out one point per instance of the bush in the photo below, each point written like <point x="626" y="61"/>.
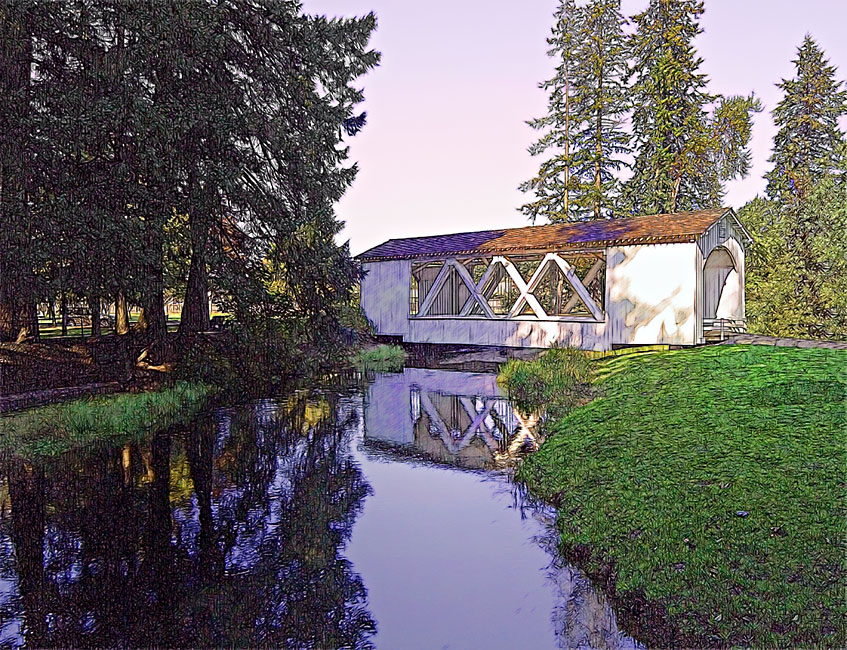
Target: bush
<point x="553" y="383"/>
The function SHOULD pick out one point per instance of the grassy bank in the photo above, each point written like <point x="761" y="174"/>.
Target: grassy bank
<point x="710" y="484"/>
<point x="52" y="430"/>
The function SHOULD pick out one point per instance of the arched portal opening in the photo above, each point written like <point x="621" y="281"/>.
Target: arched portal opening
<point x="723" y="294"/>
<point x="717" y="279"/>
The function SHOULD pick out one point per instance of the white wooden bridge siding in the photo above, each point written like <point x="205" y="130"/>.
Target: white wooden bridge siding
<point x="655" y="294"/>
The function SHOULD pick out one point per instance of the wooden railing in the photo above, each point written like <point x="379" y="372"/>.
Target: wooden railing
<point x="720" y="329"/>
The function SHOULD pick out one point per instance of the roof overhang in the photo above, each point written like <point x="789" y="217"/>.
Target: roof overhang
<point x="672" y="228"/>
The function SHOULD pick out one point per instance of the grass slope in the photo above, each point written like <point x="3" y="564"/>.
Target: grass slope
<point x="714" y="479"/>
<point x="52" y="430"/>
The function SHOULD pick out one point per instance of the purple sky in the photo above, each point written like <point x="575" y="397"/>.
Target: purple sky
<point x="445" y="145"/>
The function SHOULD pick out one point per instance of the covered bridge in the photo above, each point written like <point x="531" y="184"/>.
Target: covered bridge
<point x="662" y="279"/>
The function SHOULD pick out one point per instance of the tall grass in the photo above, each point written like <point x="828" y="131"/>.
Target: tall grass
<point x="382" y="358"/>
<point x="52" y="430"/>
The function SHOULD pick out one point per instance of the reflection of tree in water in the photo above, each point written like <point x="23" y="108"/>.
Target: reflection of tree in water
<point x="230" y="534"/>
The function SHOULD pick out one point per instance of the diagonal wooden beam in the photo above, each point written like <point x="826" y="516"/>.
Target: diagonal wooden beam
<point x="526" y="295"/>
<point x="480" y="286"/>
<point x="477" y="417"/>
<point x="434" y="416"/>
<point x="589" y="278"/>
<point x="478" y="426"/>
<point x="475" y="295"/>
<point x="440" y="279"/>
<point x="453" y="446"/>
<point x="579" y="288"/>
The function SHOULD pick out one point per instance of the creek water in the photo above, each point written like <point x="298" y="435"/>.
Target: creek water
<point x="374" y="516"/>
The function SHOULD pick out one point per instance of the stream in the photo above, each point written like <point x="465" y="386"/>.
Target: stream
<point x="379" y="515"/>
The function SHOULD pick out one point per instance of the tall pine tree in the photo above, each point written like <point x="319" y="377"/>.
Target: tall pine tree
<point x="683" y="153"/>
<point x="587" y="105"/>
<point x="807" y="118"/>
<point x="554" y="182"/>
<point x="797" y="270"/>
<point x="600" y="107"/>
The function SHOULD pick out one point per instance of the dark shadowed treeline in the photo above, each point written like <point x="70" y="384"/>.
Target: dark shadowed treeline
<point x="179" y="147"/>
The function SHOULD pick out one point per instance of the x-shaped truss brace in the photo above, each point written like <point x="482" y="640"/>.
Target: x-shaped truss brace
<point x="526" y="297"/>
<point x="580" y="292"/>
<point x="478" y="426"/>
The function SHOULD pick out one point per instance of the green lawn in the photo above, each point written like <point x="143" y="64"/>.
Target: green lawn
<point x="47" y="330"/>
<point x="714" y="478"/>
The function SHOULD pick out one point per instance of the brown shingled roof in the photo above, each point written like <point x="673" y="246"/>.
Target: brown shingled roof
<point x="653" y="229"/>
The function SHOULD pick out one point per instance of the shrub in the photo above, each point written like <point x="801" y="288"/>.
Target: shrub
<point x="553" y="383"/>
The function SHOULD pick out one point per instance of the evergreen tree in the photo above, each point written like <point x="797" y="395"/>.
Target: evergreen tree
<point x="586" y="107"/>
<point x="125" y="145"/>
<point x="554" y="182"/>
<point x="683" y="153"/>
<point x="807" y="118"/>
<point x="796" y="268"/>
<point x="600" y="105"/>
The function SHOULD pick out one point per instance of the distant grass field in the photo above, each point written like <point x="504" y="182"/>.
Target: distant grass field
<point x="46" y="329"/>
<point x="714" y="479"/>
<point x="54" y="429"/>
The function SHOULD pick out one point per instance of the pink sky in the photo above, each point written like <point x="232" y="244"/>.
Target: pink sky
<point x="446" y="142"/>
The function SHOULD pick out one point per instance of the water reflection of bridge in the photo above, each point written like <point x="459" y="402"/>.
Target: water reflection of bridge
<point x="456" y="417"/>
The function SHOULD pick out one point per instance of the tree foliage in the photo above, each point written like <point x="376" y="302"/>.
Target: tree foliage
<point x="554" y="183"/>
<point x="684" y="150"/>
<point x="686" y="141"/>
<point x="587" y="102"/>
<point x="797" y="269"/>
<point x="157" y="161"/>
<point x="807" y="117"/>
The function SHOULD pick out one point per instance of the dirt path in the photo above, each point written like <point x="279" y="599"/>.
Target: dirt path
<point x="40" y="397"/>
<point x="757" y="339"/>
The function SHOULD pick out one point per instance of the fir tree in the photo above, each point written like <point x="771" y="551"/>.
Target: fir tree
<point x="683" y="153"/>
<point x="807" y="118"/>
<point x="600" y="106"/>
<point x="554" y="182"/>
<point x="796" y="267"/>
<point x="587" y="105"/>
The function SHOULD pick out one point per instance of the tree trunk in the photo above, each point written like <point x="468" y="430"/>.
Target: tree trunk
<point x="141" y="323"/>
<point x="152" y="319"/>
<point x="94" y="305"/>
<point x="15" y="80"/>
<point x="27" y="325"/>
<point x="675" y="194"/>
<point x="195" y="308"/>
<point x="7" y="307"/>
<point x="51" y="306"/>
<point x="598" y="181"/>
<point x="121" y="314"/>
<point x="63" y="308"/>
<point x="567" y="141"/>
